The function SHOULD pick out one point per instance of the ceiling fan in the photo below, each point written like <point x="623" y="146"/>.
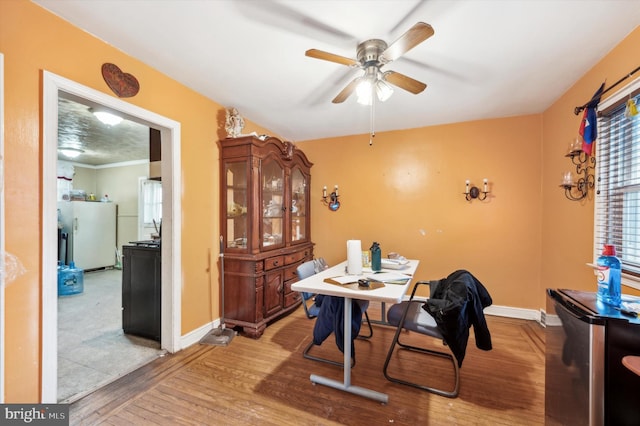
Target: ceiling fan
<point x="372" y="55"/>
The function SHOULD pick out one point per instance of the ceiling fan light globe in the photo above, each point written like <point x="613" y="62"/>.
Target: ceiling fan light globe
<point x="383" y="90"/>
<point x="365" y="99"/>
<point x="364" y="91"/>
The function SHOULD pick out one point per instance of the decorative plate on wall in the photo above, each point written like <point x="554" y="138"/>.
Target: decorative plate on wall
<point x="121" y="83"/>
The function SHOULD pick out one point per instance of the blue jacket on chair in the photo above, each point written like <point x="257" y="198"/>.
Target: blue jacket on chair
<point x="331" y="319"/>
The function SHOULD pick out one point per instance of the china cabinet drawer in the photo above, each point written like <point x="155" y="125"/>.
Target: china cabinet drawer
<point x="290" y="272"/>
<point x="273" y="262"/>
<point x="291" y="298"/>
<point x="296" y="257"/>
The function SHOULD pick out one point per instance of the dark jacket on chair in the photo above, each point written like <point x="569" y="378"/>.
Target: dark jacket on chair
<point x="331" y="319"/>
<point x="457" y="303"/>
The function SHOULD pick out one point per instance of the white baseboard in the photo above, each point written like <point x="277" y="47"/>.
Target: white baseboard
<point x="509" y="312"/>
<point x="196" y="335"/>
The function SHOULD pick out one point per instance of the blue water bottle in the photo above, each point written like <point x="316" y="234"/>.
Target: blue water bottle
<point x="609" y="274"/>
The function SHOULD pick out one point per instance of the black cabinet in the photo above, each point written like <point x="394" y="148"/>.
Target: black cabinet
<point x="141" y="289"/>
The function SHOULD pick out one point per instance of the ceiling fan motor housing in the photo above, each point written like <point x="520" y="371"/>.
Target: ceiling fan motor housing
<point x="369" y="52"/>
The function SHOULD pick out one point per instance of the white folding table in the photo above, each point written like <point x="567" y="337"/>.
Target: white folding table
<point x="389" y="293"/>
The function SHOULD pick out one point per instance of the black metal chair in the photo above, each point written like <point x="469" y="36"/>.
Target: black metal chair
<point x="410" y="316"/>
<point x="311" y="310"/>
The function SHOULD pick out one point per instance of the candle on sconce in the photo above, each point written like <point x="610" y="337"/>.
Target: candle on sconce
<point x="466" y="186"/>
<point x="577" y="144"/>
<point x="484" y="184"/>
<point x="324" y="192"/>
<point x="336" y="190"/>
<point x="567" y="178"/>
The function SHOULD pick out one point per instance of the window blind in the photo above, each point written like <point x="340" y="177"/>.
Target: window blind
<point x="617" y="205"/>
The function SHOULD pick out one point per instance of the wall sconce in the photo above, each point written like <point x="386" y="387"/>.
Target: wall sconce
<point x="576" y="190"/>
<point x="332" y="199"/>
<point x="473" y="192"/>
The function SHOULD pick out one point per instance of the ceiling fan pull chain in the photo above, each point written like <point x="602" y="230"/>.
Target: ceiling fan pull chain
<point x="373" y="132"/>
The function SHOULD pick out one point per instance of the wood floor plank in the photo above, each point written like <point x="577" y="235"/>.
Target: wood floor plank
<point x="205" y="409"/>
<point x="266" y="382"/>
<point x="113" y="396"/>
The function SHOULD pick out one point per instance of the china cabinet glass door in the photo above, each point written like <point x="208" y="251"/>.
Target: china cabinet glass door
<point x="272" y="203"/>
<point x="237" y="218"/>
<point x="298" y="206"/>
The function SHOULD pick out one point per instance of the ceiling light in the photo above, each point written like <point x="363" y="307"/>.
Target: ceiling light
<point x="70" y="152"/>
<point x="383" y="90"/>
<point x="107" y="118"/>
<point x="373" y="80"/>
<point x="364" y="91"/>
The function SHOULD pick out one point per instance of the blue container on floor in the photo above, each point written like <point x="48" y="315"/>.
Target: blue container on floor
<point x="70" y="280"/>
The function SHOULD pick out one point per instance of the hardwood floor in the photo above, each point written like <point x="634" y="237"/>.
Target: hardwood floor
<point x="266" y="382"/>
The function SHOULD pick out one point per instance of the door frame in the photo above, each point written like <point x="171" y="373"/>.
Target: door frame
<point x="2" y="247"/>
<point x="171" y="211"/>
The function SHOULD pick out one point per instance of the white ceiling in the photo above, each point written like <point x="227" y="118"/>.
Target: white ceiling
<point x="487" y="59"/>
<point x="100" y="144"/>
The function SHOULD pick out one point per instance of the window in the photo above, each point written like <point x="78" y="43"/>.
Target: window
<point x="65" y="179"/>
<point x="617" y="206"/>
<point x="152" y="202"/>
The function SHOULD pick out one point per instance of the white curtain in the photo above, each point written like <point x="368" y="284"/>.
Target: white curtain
<point x="152" y="202"/>
<point x="65" y="176"/>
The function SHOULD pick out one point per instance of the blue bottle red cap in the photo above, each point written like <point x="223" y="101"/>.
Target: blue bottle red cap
<point x="609" y="250"/>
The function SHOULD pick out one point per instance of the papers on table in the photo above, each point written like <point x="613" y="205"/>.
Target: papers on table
<point x="381" y="277"/>
<point x="347" y="279"/>
<point x="389" y="277"/>
<point x="394" y="263"/>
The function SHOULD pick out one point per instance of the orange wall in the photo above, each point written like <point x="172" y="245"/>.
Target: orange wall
<point x="33" y="40"/>
<point x="567" y="226"/>
<point x="405" y="192"/>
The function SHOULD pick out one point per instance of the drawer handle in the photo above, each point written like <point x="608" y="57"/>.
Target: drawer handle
<point x="275" y="263"/>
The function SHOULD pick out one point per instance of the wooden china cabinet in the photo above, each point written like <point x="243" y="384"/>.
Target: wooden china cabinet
<point x="265" y="226"/>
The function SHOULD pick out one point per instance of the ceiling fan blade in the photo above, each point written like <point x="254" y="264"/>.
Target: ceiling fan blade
<point x="288" y="18"/>
<point x="416" y="35"/>
<point x="326" y="56"/>
<point x="404" y="82"/>
<point x="346" y="92"/>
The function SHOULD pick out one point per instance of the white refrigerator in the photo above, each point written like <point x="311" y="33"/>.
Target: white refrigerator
<point x="91" y="233"/>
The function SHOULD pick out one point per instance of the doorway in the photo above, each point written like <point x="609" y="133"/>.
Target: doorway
<point x="53" y="86"/>
<point x="2" y="266"/>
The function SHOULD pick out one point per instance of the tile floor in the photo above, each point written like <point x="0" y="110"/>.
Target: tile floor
<point x="92" y="349"/>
